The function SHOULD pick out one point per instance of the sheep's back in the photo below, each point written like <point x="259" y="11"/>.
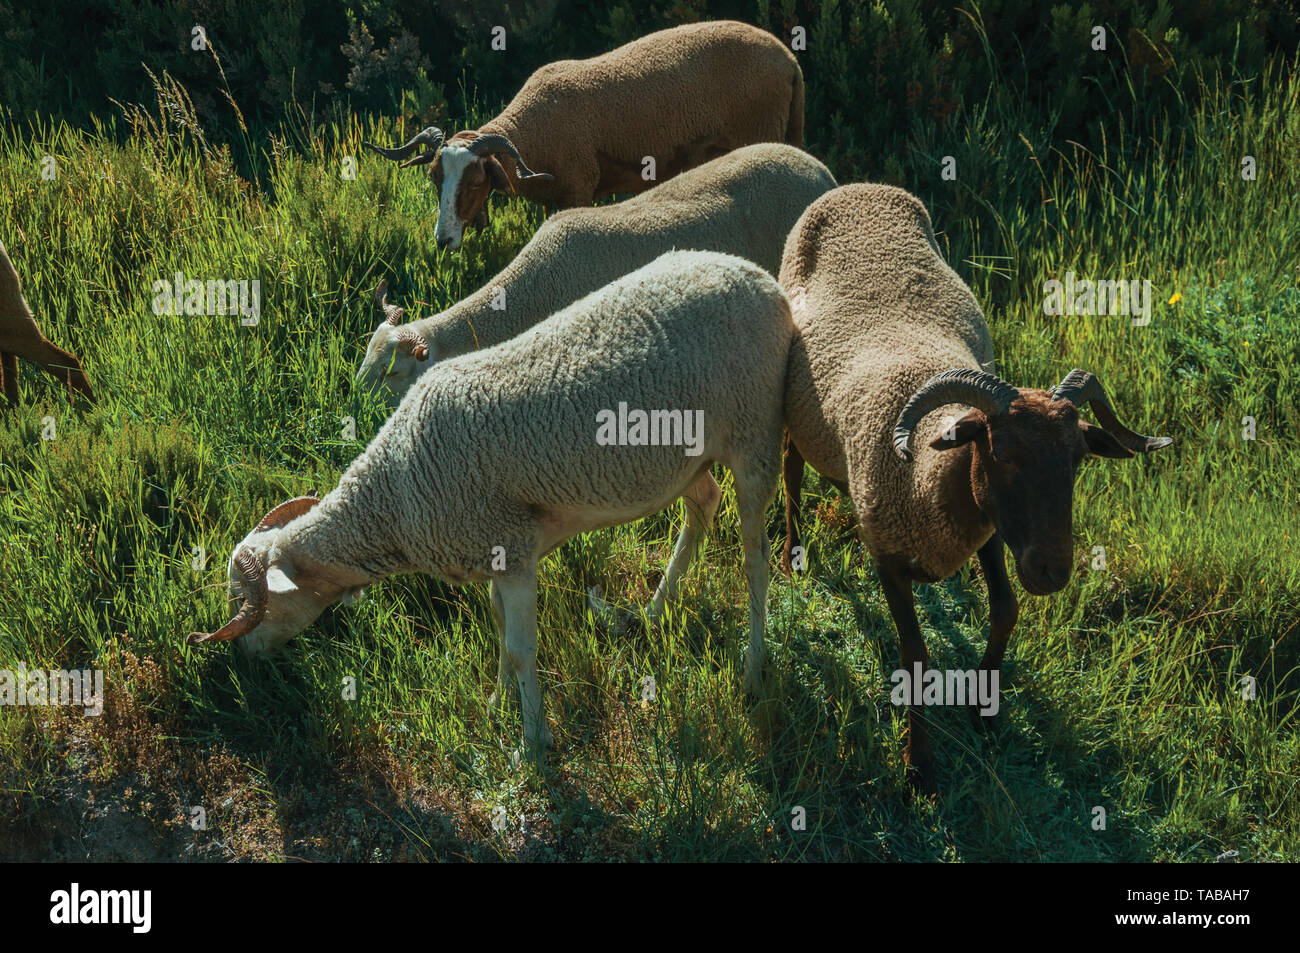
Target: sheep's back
<point x="877" y="313"/>
<point x="678" y="77"/>
<point x="743" y="204"/>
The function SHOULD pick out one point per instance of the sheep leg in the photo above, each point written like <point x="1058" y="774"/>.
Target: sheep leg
<point x="65" y="366"/>
<point x="519" y="605"/>
<point x="497" y="699"/>
<point x="701" y="500"/>
<point x="792" y="470"/>
<point x="9" y="375"/>
<point x="898" y="593"/>
<point x="60" y="364"/>
<point x="1003" y="611"/>
<point x="752" y="504"/>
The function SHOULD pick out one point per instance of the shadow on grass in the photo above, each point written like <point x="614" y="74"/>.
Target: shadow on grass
<point x="1004" y="794"/>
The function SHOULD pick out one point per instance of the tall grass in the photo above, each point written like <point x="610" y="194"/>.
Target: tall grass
<point x="1121" y="692"/>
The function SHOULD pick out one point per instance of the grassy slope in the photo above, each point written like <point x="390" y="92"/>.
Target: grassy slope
<point x="1120" y="691"/>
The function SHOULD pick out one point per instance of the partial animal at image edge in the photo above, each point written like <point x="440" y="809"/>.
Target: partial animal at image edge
<point x="20" y="336"/>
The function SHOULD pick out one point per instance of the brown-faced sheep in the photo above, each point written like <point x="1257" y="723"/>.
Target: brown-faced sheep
<point x="887" y="334"/>
<point x="682" y="96"/>
<point x="21" y="337"/>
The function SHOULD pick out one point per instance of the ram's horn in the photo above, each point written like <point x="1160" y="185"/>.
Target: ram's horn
<point x="1080" y="387"/>
<point x="412" y="341"/>
<point x="495" y="142"/>
<point x="392" y="313"/>
<point x="254" y="606"/>
<point x="429" y="137"/>
<point x="979" y="389"/>
<point x="288" y="510"/>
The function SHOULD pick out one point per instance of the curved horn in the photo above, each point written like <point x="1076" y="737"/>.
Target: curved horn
<point x="413" y="342"/>
<point x="1080" y="387"/>
<point x="495" y="142"/>
<point x="430" y="136"/>
<point x="424" y="158"/>
<point x="288" y="510"/>
<point x="253" y="609"/>
<point x="392" y="313"/>
<point x="979" y="389"/>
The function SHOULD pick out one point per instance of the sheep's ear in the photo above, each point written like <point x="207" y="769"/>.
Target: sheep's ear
<point x="963" y="431"/>
<point x="496" y="175"/>
<point x="1102" y="443"/>
<point x="278" y="582"/>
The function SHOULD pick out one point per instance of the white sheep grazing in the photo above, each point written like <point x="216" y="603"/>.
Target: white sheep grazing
<point x="887" y="334"/>
<point x="743" y="203"/>
<point x="20" y="336"/>
<point x="681" y="96"/>
<point x="505" y="453"/>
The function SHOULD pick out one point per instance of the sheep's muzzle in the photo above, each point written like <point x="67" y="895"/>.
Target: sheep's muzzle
<point x="253" y="609"/>
<point x="253" y="575"/>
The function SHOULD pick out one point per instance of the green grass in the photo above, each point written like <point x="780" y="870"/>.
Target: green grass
<point x="1120" y="692"/>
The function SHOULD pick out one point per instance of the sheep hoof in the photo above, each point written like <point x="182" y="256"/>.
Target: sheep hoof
<point x="920" y="772"/>
<point x="753" y="677"/>
<point x="532" y="749"/>
<point x="921" y="783"/>
<point x="985" y="723"/>
<point x="619" y="622"/>
<point x="542" y="737"/>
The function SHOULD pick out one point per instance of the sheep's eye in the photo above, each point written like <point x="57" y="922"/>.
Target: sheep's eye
<point x="1009" y="461"/>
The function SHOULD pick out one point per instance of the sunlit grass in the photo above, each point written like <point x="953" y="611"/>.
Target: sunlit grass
<point x="1121" y="692"/>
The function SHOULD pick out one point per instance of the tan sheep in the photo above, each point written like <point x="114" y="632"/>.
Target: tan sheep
<point x="743" y="203"/>
<point x="20" y="337"/>
<point x="886" y="335"/>
<point x="681" y="96"/>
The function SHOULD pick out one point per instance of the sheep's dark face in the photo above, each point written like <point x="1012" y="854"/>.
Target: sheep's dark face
<point x="464" y="182"/>
<point x="1023" y="469"/>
